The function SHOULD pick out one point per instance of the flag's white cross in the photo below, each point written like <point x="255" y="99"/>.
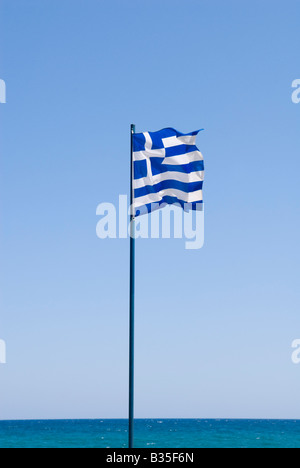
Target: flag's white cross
<point x="157" y="153"/>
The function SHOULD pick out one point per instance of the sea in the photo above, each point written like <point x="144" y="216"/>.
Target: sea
<point x="151" y="433"/>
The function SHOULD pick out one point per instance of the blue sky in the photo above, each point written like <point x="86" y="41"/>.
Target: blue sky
<point x="214" y="327"/>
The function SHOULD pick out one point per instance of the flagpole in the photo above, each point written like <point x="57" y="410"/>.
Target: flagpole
<point x="131" y="303"/>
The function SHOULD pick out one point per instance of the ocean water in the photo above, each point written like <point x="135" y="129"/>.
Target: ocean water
<point x="151" y="433"/>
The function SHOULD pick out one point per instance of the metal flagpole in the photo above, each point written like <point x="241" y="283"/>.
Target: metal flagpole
<point x="131" y="304"/>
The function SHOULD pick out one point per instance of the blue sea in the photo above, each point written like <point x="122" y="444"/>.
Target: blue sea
<point x="151" y="433"/>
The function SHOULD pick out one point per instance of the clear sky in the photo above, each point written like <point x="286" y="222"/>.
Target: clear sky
<point x="214" y="327"/>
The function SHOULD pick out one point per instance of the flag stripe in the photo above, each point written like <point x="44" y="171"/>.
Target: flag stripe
<point x="180" y="149"/>
<point x="169" y="184"/>
<point x="159" y="168"/>
<point x="157" y="197"/>
<point x="184" y="159"/>
<point x="180" y="176"/>
<point x="176" y="141"/>
<point x="167" y="200"/>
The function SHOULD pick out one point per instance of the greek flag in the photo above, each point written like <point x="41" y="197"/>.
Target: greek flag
<point x="168" y="168"/>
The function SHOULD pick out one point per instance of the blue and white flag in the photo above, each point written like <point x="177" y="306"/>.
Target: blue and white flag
<point x="168" y="168"/>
